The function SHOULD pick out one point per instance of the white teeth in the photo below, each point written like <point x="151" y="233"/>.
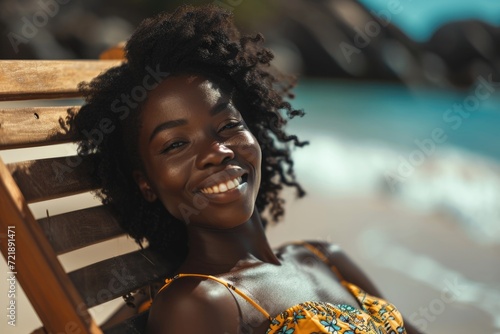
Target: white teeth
<point x="222" y="187"/>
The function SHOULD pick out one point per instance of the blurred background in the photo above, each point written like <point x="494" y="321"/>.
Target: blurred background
<point x="402" y="102"/>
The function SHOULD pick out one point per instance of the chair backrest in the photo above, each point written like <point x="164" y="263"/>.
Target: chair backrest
<point x="61" y="300"/>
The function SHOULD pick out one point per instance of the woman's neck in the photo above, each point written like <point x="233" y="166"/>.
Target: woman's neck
<point x="216" y="251"/>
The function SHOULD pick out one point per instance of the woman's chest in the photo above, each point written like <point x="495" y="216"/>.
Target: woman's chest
<point x="275" y="289"/>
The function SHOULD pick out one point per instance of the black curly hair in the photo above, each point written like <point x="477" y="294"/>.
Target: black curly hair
<point x="191" y="40"/>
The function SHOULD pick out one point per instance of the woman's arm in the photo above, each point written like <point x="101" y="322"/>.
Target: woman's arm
<point x="191" y="306"/>
<point x="352" y="273"/>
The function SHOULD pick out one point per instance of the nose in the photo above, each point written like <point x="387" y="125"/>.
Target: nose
<point x="214" y="154"/>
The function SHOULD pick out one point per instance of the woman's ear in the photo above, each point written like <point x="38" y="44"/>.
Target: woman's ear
<point x="143" y="184"/>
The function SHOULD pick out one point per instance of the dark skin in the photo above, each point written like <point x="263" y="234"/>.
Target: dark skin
<point x="201" y="161"/>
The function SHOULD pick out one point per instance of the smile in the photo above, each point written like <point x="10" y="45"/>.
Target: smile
<point x="223" y="186"/>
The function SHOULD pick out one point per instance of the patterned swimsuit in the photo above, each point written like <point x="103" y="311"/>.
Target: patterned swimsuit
<point x="374" y="315"/>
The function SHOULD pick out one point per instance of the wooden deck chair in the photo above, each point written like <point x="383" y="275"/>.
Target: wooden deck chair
<point x="60" y="299"/>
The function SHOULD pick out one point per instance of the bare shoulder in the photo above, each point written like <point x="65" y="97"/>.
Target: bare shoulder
<point x="193" y="305"/>
<point x="336" y="257"/>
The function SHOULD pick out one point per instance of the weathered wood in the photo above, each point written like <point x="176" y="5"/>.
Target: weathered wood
<point x="77" y="229"/>
<point x="47" y="79"/>
<point x="28" y="127"/>
<point x="38" y="270"/>
<point x="117" y="276"/>
<point x="52" y="178"/>
<point x="50" y="290"/>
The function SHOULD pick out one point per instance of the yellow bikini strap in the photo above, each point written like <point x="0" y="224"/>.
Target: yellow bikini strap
<point x="321" y="255"/>
<point x="226" y="284"/>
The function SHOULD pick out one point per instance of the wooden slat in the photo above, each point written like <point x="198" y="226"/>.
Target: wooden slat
<point x="115" y="277"/>
<point x="26" y="127"/>
<point x="77" y="229"/>
<point x="50" y="291"/>
<point x="134" y="325"/>
<point x="47" y="79"/>
<point x="46" y="179"/>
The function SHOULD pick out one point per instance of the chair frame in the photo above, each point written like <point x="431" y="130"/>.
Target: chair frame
<point x="61" y="300"/>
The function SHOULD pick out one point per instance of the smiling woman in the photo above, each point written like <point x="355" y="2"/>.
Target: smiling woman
<point x="194" y="143"/>
<point x="192" y="166"/>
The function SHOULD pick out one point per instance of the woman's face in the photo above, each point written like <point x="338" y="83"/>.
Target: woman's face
<point x="200" y="160"/>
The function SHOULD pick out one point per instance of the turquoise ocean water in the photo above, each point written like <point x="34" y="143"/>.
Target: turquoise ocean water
<point x="396" y="115"/>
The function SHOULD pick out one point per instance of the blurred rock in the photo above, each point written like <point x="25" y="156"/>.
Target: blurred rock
<point x="469" y="49"/>
<point x="317" y="38"/>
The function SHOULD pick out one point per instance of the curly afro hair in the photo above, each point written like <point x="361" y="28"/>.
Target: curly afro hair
<point x="191" y="40"/>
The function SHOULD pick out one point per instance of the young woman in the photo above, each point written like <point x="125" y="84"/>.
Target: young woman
<point x="195" y="153"/>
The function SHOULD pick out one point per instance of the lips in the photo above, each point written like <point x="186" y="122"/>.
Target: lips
<point x="222" y="181"/>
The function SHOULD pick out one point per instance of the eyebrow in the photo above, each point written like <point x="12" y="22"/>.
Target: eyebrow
<point x="178" y="122"/>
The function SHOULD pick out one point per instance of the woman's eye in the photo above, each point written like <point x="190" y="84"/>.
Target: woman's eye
<point x="231" y="125"/>
<point x="173" y="146"/>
